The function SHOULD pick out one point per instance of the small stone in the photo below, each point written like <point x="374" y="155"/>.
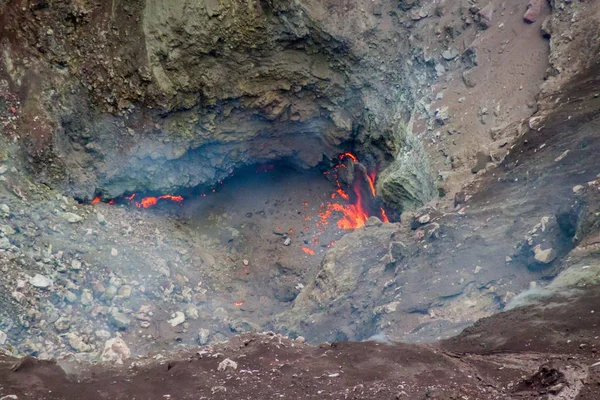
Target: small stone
<point x="102" y="334"/>
<point x="120" y="320"/>
<point x="424" y="219"/>
<point x="3" y="338"/>
<point x="77" y="343"/>
<point x="76" y="265"/>
<point x="40" y="281"/>
<point x="300" y="339"/>
<point x="5" y="209"/>
<point x="70" y="296"/>
<point x="203" y="335"/>
<point x="125" y="291"/>
<point x="192" y="313"/>
<point x="577" y="188"/>
<point x="483" y="157"/>
<point x="440" y="70"/>
<point x="534" y="8"/>
<point x="114" y="252"/>
<point x="87" y="297"/>
<point x="115" y="350"/>
<point x="109" y="293"/>
<point x="178" y="319"/>
<point x="62" y="324"/>
<point x="442" y="115"/>
<point x="72" y="218"/>
<point x="450" y="54"/>
<point x="49" y="32"/>
<point x="468" y="78"/>
<point x="100" y="218"/>
<point x="7" y="230"/>
<point x="507" y="259"/>
<point x="246" y="262"/>
<point x="3" y="169"/>
<point x="544" y="256"/>
<point x="227" y="363"/>
<point x="9" y="397"/>
<point x="485" y="15"/>
<point x="373" y="221"/>
<point x="4" y="243"/>
<point x="287" y="241"/>
<point x="477" y="270"/>
<point x="19" y="297"/>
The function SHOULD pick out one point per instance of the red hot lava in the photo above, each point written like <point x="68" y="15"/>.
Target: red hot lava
<point x="355" y="214"/>
<point x="145" y="202"/>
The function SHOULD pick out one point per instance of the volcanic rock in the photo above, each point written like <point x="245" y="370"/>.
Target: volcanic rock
<point x="72" y="218"/>
<point x="227" y="363"/>
<point x="544" y="256"/>
<point x="4" y="243"/>
<point x="40" y="281"/>
<point x="119" y="320"/>
<point x="485" y="15"/>
<point x="534" y="8"/>
<point x="178" y="319"/>
<point x="450" y="54"/>
<point x="483" y="158"/>
<point x="87" y="297"/>
<point x="203" y="336"/>
<point x="468" y="78"/>
<point x="77" y="343"/>
<point x="115" y="350"/>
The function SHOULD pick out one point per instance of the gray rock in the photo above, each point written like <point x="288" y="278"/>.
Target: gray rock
<point x="77" y="343"/>
<point x="440" y="70"/>
<point x="468" y="78"/>
<point x="62" y="324"/>
<point x="109" y="293"/>
<point x="100" y="218"/>
<point x="3" y="338"/>
<point x="72" y="218"/>
<point x="544" y="256"/>
<point x="450" y="54"/>
<point x="7" y="230"/>
<point x="287" y="241"/>
<point x="40" y="281"/>
<point x="203" y="336"/>
<point x="4" y="243"/>
<point x="483" y="158"/>
<point x="76" y="265"/>
<point x="120" y="320"/>
<point x="178" y="319"/>
<point x="87" y="297"/>
<point x="5" y="209"/>
<point x="125" y="291"/>
<point x="70" y="296"/>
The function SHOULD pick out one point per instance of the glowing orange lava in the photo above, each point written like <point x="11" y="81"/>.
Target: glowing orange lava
<point x="308" y="251"/>
<point x="238" y="303"/>
<point x="96" y="200"/>
<point x="371" y="179"/>
<point x="350" y="155"/>
<point x="354" y="215"/>
<point x="384" y="216"/>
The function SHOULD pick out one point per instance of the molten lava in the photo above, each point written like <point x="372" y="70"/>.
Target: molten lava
<point x="356" y="213"/>
<point x="145" y="202"/>
<point x="308" y="251"/>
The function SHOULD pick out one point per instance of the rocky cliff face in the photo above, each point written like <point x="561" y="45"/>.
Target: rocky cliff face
<point x="163" y="95"/>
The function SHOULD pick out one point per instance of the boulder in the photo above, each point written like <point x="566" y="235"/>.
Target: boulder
<point x="115" y="350"/>
<point x="534" y="8"/>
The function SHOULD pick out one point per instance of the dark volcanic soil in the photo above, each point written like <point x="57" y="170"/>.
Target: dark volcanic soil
<point x="535" y="352"/>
